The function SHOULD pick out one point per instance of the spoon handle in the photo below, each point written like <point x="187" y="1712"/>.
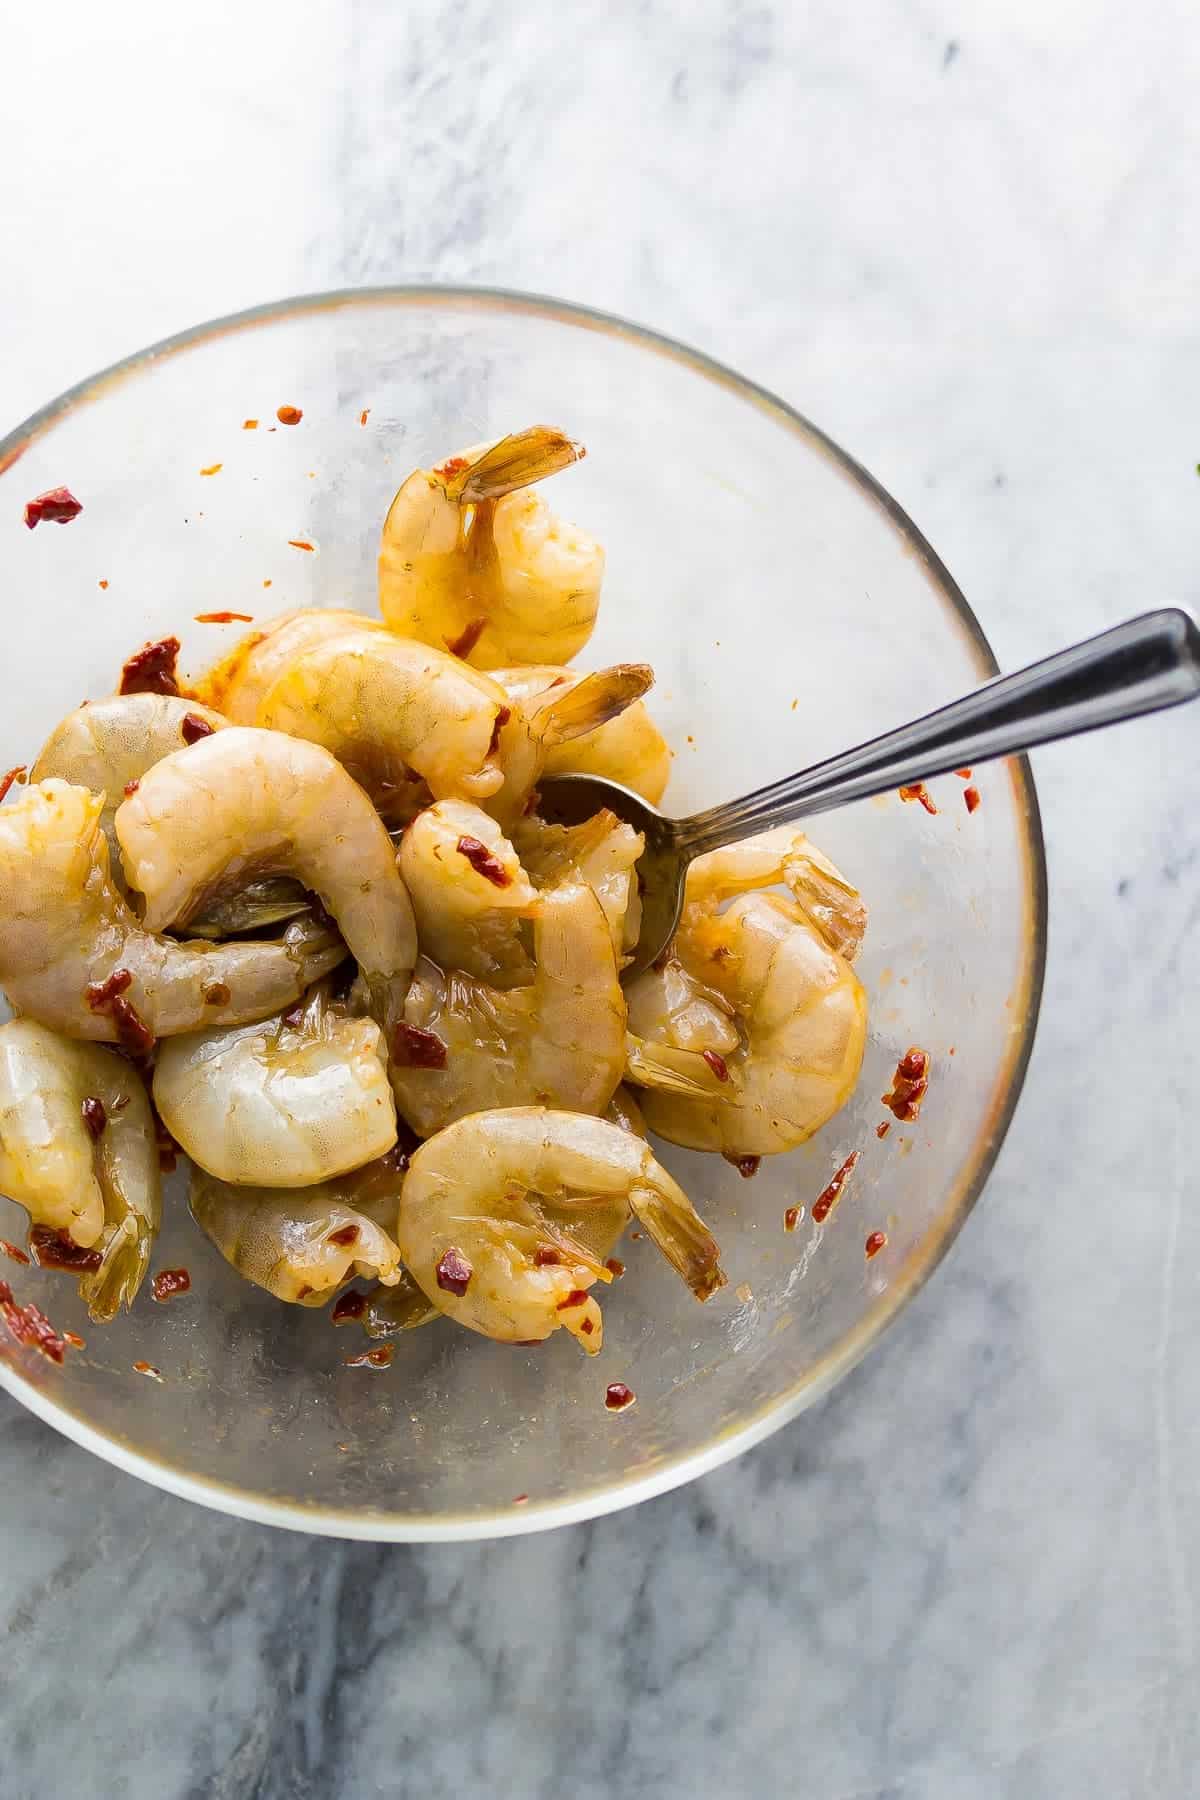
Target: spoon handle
<point x="1146" y="663"/>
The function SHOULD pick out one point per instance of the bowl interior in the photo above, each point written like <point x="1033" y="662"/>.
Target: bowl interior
<point x="789" y="610"/>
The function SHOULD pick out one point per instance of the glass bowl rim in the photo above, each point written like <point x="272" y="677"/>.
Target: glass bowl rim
<point x="732" y="1440"/>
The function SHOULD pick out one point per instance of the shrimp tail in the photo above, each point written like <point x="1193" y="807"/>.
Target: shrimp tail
<point x="516" y="461"/>
<point x="671" y="1071"/>
<point x="682" y="1236"/>
<point x="125" y="1259"/>
<point x="831" y="905"/>
<point x="572" y="712"/>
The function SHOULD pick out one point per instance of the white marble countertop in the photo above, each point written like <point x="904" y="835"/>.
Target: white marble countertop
<point x="962" y="239"/>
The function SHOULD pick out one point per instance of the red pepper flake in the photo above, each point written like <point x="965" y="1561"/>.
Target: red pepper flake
<point x="792" y="1217"/>
<point x="224" y="618"/>
<point x="498" y="724"/>
<point x="347" y="1235"/>
<point x="133" y="1033"/>
<point x="881" y="1131"/>
<point x="746" y="1166"/>
<point x="454" y="1272"/>
<point x="249" y="424"/>
<point x="57" y="504"/>
<point x="971" y="798"/>
<point x="131" y="788"/>
<point x="454" y="465"/>
<point x="18" y="774"/>
<point x="587" y="1327"/>
<point x="615" y="1267"/>
<point x="484" y="862"/>
<point x="300" y="544"/>
<point x="145" y="1368"/>
<point x="216" y="994"/>
<point x="875" y="1243"/>
<point x="13" y="1254"/>
<point x="527" y="1343"/>
<point x="575" y="1298"/>
<point x="192" y="728"/>
<point x="100" y="994"/>
<point x="364" y="415"/>
<point x="266" y="583"/>
<point x="544" y="1257"/>
<point x="168" y="1149"/>
<point x="916" y="790"/>
<point x="151" y="670"/>
<point x="169" y="1282"/>
<point x="909" y="1085"/>
<point x="349" y="1307"/>
<point x="103" y="584"/>
<point x="467" y="639"/>
<point x="618" y="1397"/>
<point x="94" y="1117"/>
<point x="213" y="469"/>
<point x="288" y="415"/>
<point x="30" y="1326"/>
<point x="965" y="773"/>
<point x="825" y="1202"/>
<point x="73" y="1338"/>
<point x="413" y="1048"/>
<point x="717" y="1064"/>
<point x="521" y="1500"/>
<point x="378" y="1358"/>
<point x="58" y="1250"/>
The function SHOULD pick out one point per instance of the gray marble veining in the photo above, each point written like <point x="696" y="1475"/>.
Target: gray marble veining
<point x="958" y="238"/>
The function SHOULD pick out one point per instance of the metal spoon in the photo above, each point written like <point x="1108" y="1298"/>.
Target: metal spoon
<point x="1147" y="663"/>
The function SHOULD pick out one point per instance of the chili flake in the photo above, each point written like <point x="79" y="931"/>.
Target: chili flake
<point x="909" y="1086"/>
<point x="192" y="728"/>
<point x="213" y="469"/>
<point x="145" y="1368"/>
<point x="916" y="790"/>
<point x="103" y="584"/>
<point x="454" y="1272"/>
<point x="224" y="618"/>
<point x="467" y="639"/>
<point x="825" y="1202"/>
<point x="249" y="424"/>
<point x="13" y="1254"/>
<point x="300" y="544"/>
<point x="29" y="1325"/>
<point x="972" y="798"/>
<point x="169" y="1282"/>
<point x="545" y="1256"/>
<point x="364" y="415"/>
<point x="57" y="504"/>
<point x="717" y="1064"/>
<point x="875" y="1243"/>
<point x="881" y="1131"/>
<point x="343" y="1238"/>
<point x="151" y="670"/>
<point x="18" y="774"/>
<point x="576" y="1297"/>
<point x="618" y="1397"/>
<point x="349" y="1307"/>
<point x="965" y="774"/>
<point x="615" y="1267"/>
<point x="746" y="1166"/>
<point x="288" y="415"/>
<point x="413" y="1048"/>
<point x="792" y="1217"/>
<point x="58" y="1250"/>
<point x="484" y="862"/>
<point x="378" y="1358"/>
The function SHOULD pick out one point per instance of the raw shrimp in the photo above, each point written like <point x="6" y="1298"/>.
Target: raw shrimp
<point x="245" y="803"/>
<point x="300" y="1246"/>
<point x="66" y="929"/>
<point x="392" y="710"/>
<point x="238" y="684"/>
<point x="463" y="1046"/>
<point x="78" y="1152"/>
<point x="527" y="737"/>
<point x="629" y="748"/>
<point x="469" y="893"/>
<point x="473" y="562"/>
<point x="506" y="1217"/>
<point x="603" y="851"/>
<point x="105" y="745"/>
<point x="288" y="1102"/>
<point x="751" y="1034"/>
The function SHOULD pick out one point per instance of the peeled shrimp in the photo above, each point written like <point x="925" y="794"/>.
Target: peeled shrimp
<point x="105" y="745"/>
<point x="628" y="748"/>
<point x="751" y="1034"/>
<point x="238" y="684"/>
<point x="78" y="1152"/>
<point x="603" y="851"/>
<point x="506" y="1217"/>
<point x="288" y="1102"/>
<point x="469" y="893"/>
<point x="464" y="1046"/>
<point x="66" y="928"/>
<point x="475" y="563"/>
<point x="392" y="710"/>
<point x="301" y="1246"/>
<point x="246" y="803"/>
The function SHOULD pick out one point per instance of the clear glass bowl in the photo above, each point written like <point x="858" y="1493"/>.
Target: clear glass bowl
<point x="790" y="608"/>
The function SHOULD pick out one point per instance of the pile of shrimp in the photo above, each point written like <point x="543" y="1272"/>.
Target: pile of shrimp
<point x="301" y="917"/>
